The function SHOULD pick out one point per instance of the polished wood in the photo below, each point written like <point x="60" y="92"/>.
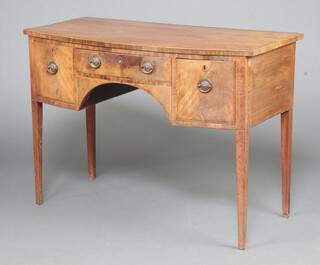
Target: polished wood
<point x="123" y="65"/>
<point x="37" y="121"/>
<point x="272" y="87"/>
<point x="217" y="106"/>
<point x="70" y="91"/>
<point x="60" y="86"/>
<point x="91" y="140"/>
<point x="243" y="95"/>
<point x="163" y="37"/>
<point x="286" y="147"/>
<point x="242" y="160"/>
<point x="251" y="72"/>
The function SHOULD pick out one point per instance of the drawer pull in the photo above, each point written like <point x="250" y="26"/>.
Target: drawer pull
<point x="52" y="68"/>
<point x="147" y="67"/>
<point x="204" y="85"/>
<point x="95" y="61"/>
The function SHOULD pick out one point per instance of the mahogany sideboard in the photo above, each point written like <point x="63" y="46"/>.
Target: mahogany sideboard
<point x="202" y="77"/>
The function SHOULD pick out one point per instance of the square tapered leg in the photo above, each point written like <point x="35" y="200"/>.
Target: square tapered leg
<point x="37" y="121"/>
<point x="242" y="160"/>
<point x="286" y="147"/>
<point x="91" y="140"/>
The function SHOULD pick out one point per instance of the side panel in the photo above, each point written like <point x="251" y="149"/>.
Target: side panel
<point x="271" y="82"/>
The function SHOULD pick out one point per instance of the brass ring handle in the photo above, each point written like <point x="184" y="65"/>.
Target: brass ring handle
<point x="52" y="68"/>
<point x="204" y="85"/>
<point x="147" y="67"/>
<point x="95" y="61"/>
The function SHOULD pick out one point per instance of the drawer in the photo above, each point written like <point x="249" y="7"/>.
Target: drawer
<point x="194" y="103"/>
<point x="55" y="86"/>
<point x="123" y="65"/>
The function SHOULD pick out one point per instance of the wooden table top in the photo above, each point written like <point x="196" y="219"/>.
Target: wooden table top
<point x="158" y="37"/>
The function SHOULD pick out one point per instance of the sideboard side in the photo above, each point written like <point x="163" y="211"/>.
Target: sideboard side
<point x="271" y="83"/>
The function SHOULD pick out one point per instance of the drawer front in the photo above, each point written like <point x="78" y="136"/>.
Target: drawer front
<point x="124" y="65"/>
<point x="215" y="106"/>
<point x="58" y="86"/>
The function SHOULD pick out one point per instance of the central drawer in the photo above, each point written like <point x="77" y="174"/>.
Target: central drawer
<point x="141" y="69"/>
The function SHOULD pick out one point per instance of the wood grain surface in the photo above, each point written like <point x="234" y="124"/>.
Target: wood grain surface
<point x="271" y="81"/>
<point x="123" y="65"/>
<point x="216" y="106"/>
<point x="59" y="86"/>
<point x="163" y="37"/>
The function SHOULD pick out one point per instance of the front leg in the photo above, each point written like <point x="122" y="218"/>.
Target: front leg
<point x="91" y="140"/>
<point x="286" y="143"/>
<point x="37" y="114"/>
<point x="242" y="161"/>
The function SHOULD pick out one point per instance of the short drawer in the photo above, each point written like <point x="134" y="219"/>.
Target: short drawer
<point x="205" y="91"/>
<point x="55" y="83"/>
<point x="123" y="65"/>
